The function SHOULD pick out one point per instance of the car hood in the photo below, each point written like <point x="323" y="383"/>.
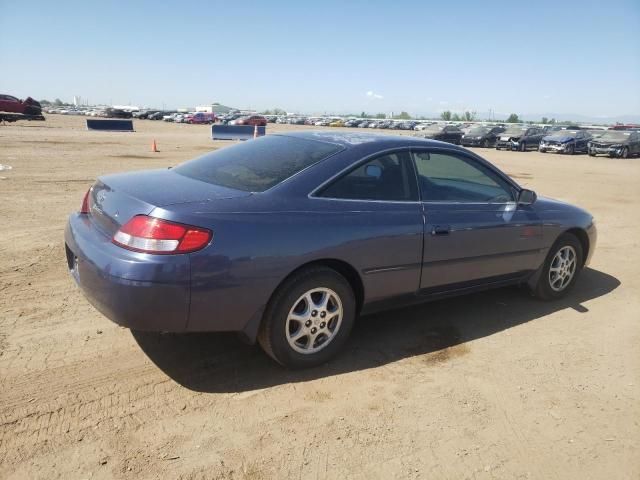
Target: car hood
<point x="502" y="135"/>
<point x="546" y="204"/>
<point x="559" y="138"/>
<point x="608" y="142"/>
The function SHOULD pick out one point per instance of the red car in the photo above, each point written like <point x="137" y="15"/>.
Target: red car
<point x="620" y="126"/>
<point x="252" y="120"/>
<point x="29" y="106"/>
<point x="202" y="117"/>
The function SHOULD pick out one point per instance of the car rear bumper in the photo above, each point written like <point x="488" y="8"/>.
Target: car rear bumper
<point x="135" y="290"/>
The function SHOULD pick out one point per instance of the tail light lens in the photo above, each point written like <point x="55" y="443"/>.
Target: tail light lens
<point x="154" y="235"/>
<point x="85" y="203"/>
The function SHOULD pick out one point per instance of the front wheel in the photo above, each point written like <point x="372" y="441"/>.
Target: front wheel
<point x="485" y="143"/>
<point x="523" y="147"/>
<point x="309" y="318"/>
<point x="625" y="153"/>
<point x="571" y="149"/>
<point x="560" y="268"/>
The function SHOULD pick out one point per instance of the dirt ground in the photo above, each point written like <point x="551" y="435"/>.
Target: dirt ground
<point x="493" y="385"/>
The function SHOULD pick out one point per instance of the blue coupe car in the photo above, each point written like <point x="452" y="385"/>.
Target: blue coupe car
<point x="287" y="238"/>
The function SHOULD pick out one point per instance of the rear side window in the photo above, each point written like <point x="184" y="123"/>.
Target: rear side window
<point x="257" y="165"/>
<point x="388" y="177"/>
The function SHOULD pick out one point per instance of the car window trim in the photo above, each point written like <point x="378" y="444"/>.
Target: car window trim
<point x="314" y="194"/>
<point x="514" y="187"/>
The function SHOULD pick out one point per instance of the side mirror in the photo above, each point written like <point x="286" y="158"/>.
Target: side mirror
<point x="527" y="197"/>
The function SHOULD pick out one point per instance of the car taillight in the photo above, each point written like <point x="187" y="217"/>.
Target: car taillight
<point x="85" y="203"/>
<point x="154" y="235"/>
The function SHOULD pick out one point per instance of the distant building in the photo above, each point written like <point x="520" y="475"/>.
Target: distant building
<point x="213" y="108"/>
<point x="126" y="108"/>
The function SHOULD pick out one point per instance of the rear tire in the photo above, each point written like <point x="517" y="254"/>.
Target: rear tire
<point x="309" y="318"/>
<point x="560" y="269"/>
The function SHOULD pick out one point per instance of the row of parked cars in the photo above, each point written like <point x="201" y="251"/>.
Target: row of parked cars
<point x="560" y="139"/>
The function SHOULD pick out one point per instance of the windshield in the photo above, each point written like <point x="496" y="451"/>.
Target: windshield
<point x="612" y="135"/>
<point x="514" y="131"/>
<point x="257" y="165"/>
<point x="478" y="131"/>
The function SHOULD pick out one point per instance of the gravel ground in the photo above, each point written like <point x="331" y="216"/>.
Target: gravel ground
<point x="493" y="385"/>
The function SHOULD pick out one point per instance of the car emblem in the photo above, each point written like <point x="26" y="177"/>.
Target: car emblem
<point x="101" y="196"/>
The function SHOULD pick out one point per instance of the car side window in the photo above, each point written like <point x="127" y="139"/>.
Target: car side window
<point x="448" y="177"/>
<point x="388" y="177"/>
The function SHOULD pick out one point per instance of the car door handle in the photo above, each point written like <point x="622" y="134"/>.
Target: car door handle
<point x="440" y="230"/>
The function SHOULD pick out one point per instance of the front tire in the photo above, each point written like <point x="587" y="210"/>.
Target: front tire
<point x="571" y="149"/>
<point x="309" y="318"/>
<point x="560" y="269"/>
<point x="625" y="153"/>
<point x="523" y="147"/>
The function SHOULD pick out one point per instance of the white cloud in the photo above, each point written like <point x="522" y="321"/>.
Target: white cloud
<point x="374" y="95"/>
<point x="443" y="102"/>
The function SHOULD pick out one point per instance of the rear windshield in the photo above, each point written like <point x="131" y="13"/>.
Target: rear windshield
<point x="257" y="165"/>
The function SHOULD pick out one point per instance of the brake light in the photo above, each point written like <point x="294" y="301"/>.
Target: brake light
<point x="85" y="203"/>
<point x="154" y="235"/>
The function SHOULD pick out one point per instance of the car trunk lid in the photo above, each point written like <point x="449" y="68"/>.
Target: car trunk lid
<point x="115" y="199"/>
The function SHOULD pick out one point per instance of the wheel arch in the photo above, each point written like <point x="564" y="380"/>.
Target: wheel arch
<point x="583" y="238"/>
<point x="345" y="269"/>
<point x="348" y="271"/>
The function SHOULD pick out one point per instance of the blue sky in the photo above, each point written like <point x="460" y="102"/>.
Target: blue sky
<point x="571" y="57"/>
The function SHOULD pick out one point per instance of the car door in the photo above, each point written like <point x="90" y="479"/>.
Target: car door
<point x="475" y="233"/>
<point x="634" y="143"/>
<point x="581" y="141"/>
<point x="453" y="135"/>
<point x="381" y="222"/>
<point x="533" y="137"/>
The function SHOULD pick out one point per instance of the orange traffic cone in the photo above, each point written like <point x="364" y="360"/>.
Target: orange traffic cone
<point x="154" y="147"/>
<point x="255" y="131"/>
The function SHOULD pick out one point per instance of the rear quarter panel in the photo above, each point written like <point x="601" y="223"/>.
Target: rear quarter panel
<point x="253" y="252"/>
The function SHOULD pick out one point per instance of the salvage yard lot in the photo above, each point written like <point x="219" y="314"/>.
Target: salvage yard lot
<point x="494" y="385"/>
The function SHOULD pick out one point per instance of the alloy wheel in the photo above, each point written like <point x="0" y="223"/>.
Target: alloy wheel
<point x="314" y="320"/>
<point x="562" y="268"/>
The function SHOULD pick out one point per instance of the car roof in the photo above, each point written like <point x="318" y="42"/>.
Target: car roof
<point x="349" y="140"/>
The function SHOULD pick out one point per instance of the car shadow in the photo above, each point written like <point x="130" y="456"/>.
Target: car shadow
<point x="220" y="362"/>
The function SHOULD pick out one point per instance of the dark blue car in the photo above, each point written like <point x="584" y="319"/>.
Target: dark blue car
<point x="566" y="141"/>
<point x="288" y="238"/>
